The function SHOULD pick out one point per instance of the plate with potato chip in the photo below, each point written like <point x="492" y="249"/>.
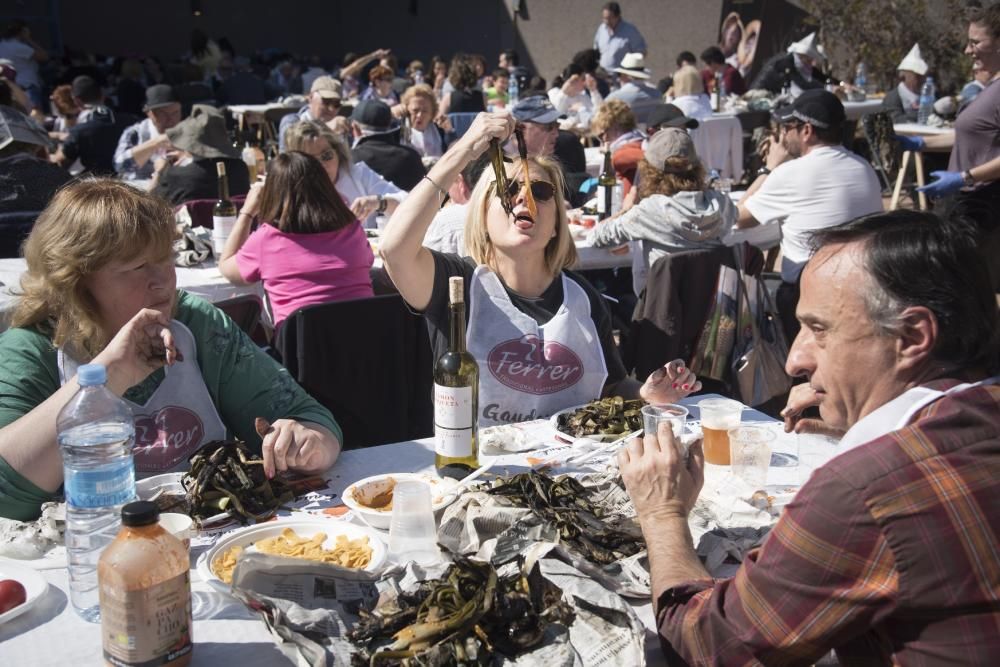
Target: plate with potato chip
<point x="315" y="539"/>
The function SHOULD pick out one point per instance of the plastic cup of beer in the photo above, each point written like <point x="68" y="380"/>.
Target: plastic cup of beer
<point x="750" y="452"/>
<point x="718" y="416"/>
<point x="652" y="415"/>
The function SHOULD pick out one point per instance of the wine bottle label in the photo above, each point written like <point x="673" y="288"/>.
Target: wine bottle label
<point x="150" y="626"/>
<point x="453" y="421"/>
<point x="223" y="225"/>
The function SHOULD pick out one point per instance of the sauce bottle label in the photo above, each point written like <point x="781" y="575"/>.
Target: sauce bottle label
<point x="147" y="627"/>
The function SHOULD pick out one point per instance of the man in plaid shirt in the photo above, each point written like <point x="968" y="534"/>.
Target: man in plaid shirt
<point x="890" y="554"/>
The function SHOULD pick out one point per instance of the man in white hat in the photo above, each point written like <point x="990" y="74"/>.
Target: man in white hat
<point x="616" y="37"/>
<point x="634" y="91"/>
<point x="795" y="70"/>
<point x="903" y="101"/>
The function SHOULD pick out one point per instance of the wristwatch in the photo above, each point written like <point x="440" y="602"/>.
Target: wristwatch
<point x="968" y="179"/>
<point x="763" y="171"/>
<point x="381" y="205"/>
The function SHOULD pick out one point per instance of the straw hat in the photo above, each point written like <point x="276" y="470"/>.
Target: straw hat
<point x="633" y="65"/>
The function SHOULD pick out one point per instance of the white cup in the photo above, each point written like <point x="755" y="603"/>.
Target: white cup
<point x="179" y="525"/>
<point x="412" y="532"/>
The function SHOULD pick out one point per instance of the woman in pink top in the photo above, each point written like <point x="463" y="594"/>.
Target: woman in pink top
<point x="309" y="248"/>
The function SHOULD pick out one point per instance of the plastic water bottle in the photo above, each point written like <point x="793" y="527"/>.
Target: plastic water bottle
<point x="861" y="77"/>
<point x="96" y="433"/>
<point x="513" y="91"/>
<point x="927" y="95"/>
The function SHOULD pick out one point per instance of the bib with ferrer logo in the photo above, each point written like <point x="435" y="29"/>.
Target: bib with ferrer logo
<point x="526" y="370"/>
<point x="178" y="418"/>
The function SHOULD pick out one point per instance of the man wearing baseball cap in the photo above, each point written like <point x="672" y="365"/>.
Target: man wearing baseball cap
<point x="139" y="144"/>
<point x="809" y="182"/>
<point x="324" y="105"/>
<point x="539" y="120"/>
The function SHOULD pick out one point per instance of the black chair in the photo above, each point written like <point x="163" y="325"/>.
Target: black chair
<point x="14" y="228"/>
<point x="369" y="361"/>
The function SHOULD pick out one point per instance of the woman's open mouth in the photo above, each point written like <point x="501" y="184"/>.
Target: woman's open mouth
<point x="524" y="221"/>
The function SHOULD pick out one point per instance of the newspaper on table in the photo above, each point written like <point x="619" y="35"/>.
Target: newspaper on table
<point x="311" y="607"/>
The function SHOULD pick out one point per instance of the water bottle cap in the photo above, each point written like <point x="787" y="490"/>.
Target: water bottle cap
<point x="140" y="513"/>
<point x="89" y="375"/>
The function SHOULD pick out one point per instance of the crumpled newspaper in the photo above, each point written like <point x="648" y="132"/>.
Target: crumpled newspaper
<point x="28" y="540"/>
<point x="310" y="607"/>
<point x="195" y="243"/>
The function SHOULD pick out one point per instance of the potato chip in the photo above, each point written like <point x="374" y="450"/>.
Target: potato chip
<point x="356" y="553"/>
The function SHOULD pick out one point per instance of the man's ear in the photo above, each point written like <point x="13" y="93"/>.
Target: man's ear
<point x="916" y="336"/>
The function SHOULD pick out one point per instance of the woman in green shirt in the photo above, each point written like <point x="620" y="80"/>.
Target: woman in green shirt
<point x="101" y="288"/>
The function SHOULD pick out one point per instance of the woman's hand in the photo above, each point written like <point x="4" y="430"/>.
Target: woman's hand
<point x="364" y="206"/>
<point x="486" y="126"/>
<point x="251" y="205"/>
<point x="140" y="347"/>
<point x="669" y="384"/>
<point x="801" y="397"/>
<point x="292" y="445"/>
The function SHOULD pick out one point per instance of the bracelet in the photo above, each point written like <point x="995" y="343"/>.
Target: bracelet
<point x="249" y="215"/>
<point x="967" y="178"/>
<point x="382" y="204"/>
<point x="438" y="187"/>
<point x="763" y="171"/>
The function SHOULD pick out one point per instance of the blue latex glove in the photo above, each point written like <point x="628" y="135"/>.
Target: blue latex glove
<point x="910" y="143"/>
<point x="947" y="183"/>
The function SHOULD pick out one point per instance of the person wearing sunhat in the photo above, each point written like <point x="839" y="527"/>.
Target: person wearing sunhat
<point x="190" y="173"/>
<point x="903" y="101"/>
<point x="27" y="178"/>
<point x="324" y="105"/>
<point x="634" y="90"/>
<point x="675" y="210"/>
<point x="141" y="143"/>
<point x="797" y="68"/>
<point x="377" y="144"/>
<point x="810" y="181"/>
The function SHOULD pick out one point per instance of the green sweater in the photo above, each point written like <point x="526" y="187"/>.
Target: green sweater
<point x="242" y="379"/>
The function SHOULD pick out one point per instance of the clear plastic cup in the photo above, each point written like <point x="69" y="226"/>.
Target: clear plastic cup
<point x="652" y="415"/>
<point x="718" y="416"/>
<point x="412" y="532"/>
<point x="750" y="453"/>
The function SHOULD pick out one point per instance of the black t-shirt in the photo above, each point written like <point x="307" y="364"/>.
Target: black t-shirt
<point x="94" y="141"/>
<point x="466" y="101"/>
<point x="541" y="309"/>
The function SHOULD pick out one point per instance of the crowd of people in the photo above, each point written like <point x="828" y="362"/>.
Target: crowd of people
<point x="888" y="554"/>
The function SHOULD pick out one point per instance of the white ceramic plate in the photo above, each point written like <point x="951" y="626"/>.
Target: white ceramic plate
<point x="380" y="518"/>
<point x="304" y="527"/>
<point x="33" y="582"/>
<point x="554" y="420"/>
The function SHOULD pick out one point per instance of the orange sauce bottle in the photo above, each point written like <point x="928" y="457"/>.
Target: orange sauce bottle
<point x="145" y="593"/>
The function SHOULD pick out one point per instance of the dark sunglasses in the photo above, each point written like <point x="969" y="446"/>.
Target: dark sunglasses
<point x="540" y="190"/>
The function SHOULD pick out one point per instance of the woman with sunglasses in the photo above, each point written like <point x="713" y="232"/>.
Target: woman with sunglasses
<point x="367" y="193"/>
<point x="541" y="333"/>
<point x="310" y="248"/>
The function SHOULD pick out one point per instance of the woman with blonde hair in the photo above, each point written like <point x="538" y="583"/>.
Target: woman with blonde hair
<point x="367" y="193"/>
<point x="675" y="211"/>
<point x="540" y="333"/>
<point x="689" y="93"/>
<point x="615" y="125"/>
<point x="421" y="107"/>
<point x="101" y="288"/>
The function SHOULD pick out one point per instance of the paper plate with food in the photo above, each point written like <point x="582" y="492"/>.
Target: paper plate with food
<point x="371" y="498"/>
<point x="316" y="539"/>
<point x="602" y="420"/>
<point x="20" y="589"/>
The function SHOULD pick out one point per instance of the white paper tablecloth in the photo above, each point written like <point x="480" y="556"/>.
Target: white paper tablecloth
<point x="225" y="633"/>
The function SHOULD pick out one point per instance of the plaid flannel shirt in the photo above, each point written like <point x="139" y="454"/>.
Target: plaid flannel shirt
<point x="890" y="554"/>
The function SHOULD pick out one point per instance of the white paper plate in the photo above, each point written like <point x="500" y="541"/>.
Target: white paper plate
<point x="246" y="537"/>
<point x="380" y="518"/>
<point x="554" y="420"/>
<point x="33" y="582"/>
<point x="168" y="482"/>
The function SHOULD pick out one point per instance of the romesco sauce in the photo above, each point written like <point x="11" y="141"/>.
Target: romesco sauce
<point x="145" y="593"/>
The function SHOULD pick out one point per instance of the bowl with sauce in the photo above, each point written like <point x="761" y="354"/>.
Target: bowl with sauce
<point x="371" y="498"/>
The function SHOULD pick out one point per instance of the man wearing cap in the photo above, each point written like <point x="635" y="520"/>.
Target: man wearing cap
<point x="202" y="141"/>
<point x="376" y="143"/>
<point x="809" y="182"/>
<point x="539" y="121"/>
<point x="634" y="91"/>
<point x="616" y="37"/>
<point x="27" y="178"/>
<point x="140" y="143"/>
<point x="324" y="105"/>
<point x="903" y="101"/>
<point x="795" y="70"/>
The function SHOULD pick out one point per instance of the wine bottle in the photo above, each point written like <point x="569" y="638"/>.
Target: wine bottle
<point x="607" y="185"/>
<point x="223" y="213"/>
<point x="456" y="396"/>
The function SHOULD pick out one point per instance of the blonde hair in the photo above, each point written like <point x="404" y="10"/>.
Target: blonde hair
<point x="687" y="81"/>
<point x="612" y="114"/>
<point x="560" y="253"/>
<point x="88" y="224"/>
<point x="424" y="91"/>
<point x="298" y="134"/>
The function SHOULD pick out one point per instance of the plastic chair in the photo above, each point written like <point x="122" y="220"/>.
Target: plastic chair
<point x="460" y="123"/>
<point x="14" y="228"/>
<point x="369" y="361"/>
